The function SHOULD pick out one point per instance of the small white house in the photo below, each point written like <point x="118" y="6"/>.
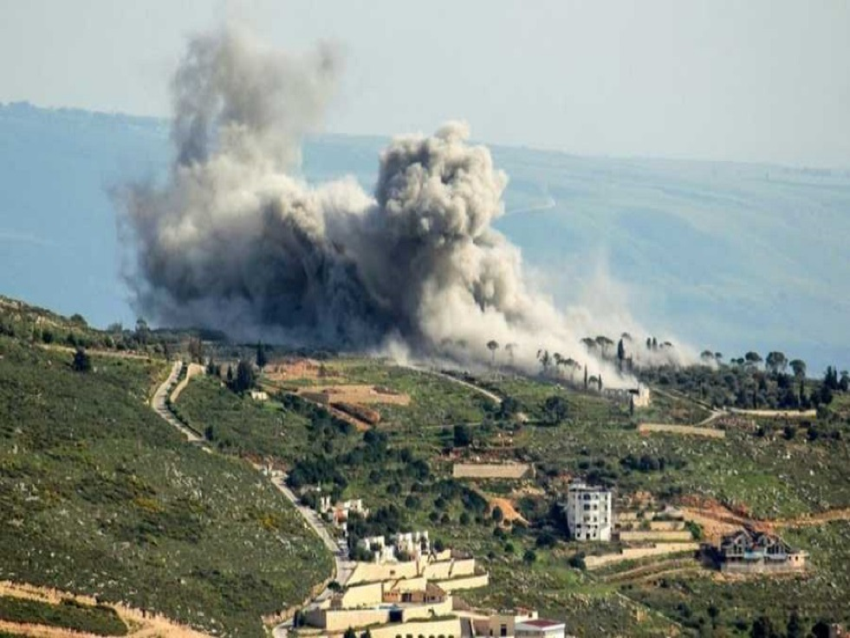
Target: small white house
<point x="381" y="551"/>
<point x="415" y="544"/>
<point x="259" y="395"/>
<point x="588" y="511"/>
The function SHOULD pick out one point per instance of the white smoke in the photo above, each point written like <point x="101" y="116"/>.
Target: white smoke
<point x="234" y="242"/>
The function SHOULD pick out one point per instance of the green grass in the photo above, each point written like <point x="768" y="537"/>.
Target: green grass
<point x="145" y="518"/>
<point x="243" y="426"/>
<point x="435" y="401"/>
<point x="100" y="496"/>
<point x="100" y="620"/>
<point x="822" y="594"/>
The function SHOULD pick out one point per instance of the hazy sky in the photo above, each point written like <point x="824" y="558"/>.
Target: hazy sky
<point x="753" y="80"/>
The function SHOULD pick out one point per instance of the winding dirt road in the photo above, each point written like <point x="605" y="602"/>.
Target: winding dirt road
<point x="343" y="567"/>
<point x="160" y="405"/>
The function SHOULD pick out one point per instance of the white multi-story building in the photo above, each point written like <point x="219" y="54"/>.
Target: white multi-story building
<point x="588" y="511"/>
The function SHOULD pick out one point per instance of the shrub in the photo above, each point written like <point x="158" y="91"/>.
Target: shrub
<point x="576" y="561"/>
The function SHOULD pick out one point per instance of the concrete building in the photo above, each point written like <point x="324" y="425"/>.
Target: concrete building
<point x="382" y="552"/>
<point x="338" y="514"/>
<point x="401" y="604"/>
<point x="638" y="397"/>
<point x="539" y="628"/>
<point x="502" y="624"/>
<point x="402" y="547"/>
<point x="588" y="512"/>
<point x="414" y="544"/>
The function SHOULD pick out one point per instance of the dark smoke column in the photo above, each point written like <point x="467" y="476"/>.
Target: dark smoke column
<point x="233" y="242"/>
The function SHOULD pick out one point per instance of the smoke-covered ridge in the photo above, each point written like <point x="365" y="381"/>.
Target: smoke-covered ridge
<point x="233" y="241"/>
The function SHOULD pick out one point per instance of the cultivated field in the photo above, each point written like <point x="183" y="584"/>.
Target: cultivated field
<point x="490" y="470"/>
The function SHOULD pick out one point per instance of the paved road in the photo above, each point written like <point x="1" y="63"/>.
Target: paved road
<point x="495" y="398"/>
<point x="159" y="405"/>
<point x="343" y="567"/>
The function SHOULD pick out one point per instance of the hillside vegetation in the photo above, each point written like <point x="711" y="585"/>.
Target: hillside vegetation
<point x="98" y="495"/>
<point x="402" y="468"/>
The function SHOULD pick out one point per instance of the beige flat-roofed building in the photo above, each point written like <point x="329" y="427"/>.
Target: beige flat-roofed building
<point x="539" y="628"/>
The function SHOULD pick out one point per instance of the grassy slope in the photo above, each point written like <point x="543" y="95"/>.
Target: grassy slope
<point x="110" y="500"/>
<point x="424" y="429"/>
<point x="821" y="594"/>
<point x="743" y="468"/>
<point x="103" y="621"/>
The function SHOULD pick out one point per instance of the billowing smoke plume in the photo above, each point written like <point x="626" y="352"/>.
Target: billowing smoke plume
<point x="234" y="242"/>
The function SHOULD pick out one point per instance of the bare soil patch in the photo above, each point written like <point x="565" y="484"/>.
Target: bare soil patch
<point x="646" y="428"/>
<point x="507" y="507"/>
<point x="307" y="369"/>
<point x="354" y="394"/>
<point x="490" y="470"/>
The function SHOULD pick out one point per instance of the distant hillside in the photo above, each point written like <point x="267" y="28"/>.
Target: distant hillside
<point x="727" y="256"/>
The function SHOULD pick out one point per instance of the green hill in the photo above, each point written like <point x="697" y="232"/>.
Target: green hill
<point x="402" y="468"/>
<point x="112" y="501"/>
<point x="99" y="496"/>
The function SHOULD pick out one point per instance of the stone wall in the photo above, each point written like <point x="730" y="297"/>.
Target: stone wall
<point x="449" y="569"/>
<point x="466" y="582"/>
<point x="449" y="628"/>
<point x="656" y="535"/>
<point x="363" y="595"/>
<point x="633" y="553"/>
<point x="371" y="572"/>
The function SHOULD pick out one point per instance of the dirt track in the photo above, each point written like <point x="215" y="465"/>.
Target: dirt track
<point x="718" y="521"/>
<point x="192" y="370"/>
<point x="141" y="625"/>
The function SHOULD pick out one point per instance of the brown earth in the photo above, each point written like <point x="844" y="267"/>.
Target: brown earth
<point x="507" y="507"/>
<point x="310" y="369"/>
<point x="718" y="520"/>
<point x="490" y="470"/>
<point x="646" y="428"/>
<point x="140" y="624"/>
<point x="354" y="393"/>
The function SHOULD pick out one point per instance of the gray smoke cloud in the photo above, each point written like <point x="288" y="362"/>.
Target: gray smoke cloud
<point x="233" y="241"/>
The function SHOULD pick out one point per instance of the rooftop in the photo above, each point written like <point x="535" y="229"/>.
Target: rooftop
<point x="541" y="623"/>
